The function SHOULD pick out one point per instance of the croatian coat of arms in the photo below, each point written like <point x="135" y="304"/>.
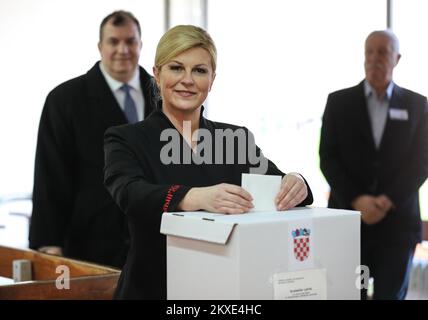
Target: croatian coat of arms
<point x="301" y="243"/>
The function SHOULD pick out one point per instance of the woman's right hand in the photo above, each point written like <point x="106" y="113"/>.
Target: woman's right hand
<point x="221" y="198"/>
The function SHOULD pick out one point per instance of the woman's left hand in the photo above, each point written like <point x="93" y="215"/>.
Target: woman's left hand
<point x="293" y="191"/>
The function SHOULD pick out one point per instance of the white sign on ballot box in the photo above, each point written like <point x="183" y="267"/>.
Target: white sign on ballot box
<point x="304" y="253"/>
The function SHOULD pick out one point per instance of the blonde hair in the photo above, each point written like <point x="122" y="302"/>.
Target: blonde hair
<point x="181" y="38"/>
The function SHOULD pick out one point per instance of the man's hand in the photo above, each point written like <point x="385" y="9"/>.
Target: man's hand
<point x="373" y="209"/>
<point x="384" y="202"/>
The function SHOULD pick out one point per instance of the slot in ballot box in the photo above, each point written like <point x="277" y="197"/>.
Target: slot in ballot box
<point x="304" y="253"/>
<point x="87" y="281"/>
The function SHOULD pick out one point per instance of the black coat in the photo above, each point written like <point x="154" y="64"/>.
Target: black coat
<point x="353" y="166"/>
<point x="144" y="188"/>
<point x="71" y="207"/>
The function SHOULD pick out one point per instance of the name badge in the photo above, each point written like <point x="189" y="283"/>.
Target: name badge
<point x="399" y="114"/>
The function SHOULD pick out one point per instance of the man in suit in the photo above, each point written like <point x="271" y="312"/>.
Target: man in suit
<point x="374" y="155"/>
<point x="73" y="214"/>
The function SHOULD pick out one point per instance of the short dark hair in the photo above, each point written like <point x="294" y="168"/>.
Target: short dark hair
<point x="119" y="18"/>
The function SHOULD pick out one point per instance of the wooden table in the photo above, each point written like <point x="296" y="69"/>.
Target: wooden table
<point x="87" y="280"/>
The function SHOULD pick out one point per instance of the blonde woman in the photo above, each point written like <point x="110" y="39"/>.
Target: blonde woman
<point x="177" y="160"/>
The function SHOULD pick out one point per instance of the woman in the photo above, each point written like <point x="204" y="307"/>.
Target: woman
<point x="147" y="173"/>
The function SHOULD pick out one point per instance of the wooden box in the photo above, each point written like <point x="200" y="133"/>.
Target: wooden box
<point x="87" y="280"/>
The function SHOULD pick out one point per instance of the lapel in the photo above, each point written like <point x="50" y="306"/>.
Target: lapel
<point x="393" y="132"/>
<point x="105" y="109"/>
<point x="362" y="116"/>
<point x="104" y="101"/>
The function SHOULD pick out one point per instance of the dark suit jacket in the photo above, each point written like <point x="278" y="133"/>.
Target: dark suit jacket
<point x="144" y="188"/>
<point x="71" y="207"/>
<point x="353" y="166"/>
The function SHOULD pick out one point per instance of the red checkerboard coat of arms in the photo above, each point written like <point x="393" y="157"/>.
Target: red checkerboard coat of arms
<point x="301" y="243"/>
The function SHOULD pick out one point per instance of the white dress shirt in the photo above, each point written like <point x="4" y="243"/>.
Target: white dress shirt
<point x="378" y="110"/>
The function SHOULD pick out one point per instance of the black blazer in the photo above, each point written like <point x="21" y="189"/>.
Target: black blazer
<point x="353" y="166"/>
<point x="144" y="188"/>
<point x="71" y="207"/>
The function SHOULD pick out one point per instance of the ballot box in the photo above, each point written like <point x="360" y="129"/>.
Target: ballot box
<point x="304" y="253"/>
<point x="42" y="276"/>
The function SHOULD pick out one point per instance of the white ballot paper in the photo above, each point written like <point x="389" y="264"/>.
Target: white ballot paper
<point x="300" y="285"/>
<point x="263" y="189"/>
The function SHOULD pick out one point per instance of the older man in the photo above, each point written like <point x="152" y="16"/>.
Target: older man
<point x="374" y="155"/>
<point x="73" y="214"/>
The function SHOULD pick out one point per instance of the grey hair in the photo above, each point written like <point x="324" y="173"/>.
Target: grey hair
<point x="390" y="35"/>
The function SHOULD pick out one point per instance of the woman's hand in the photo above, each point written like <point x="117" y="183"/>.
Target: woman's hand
<point x="222" y="198"/>
<point x="293" y="191"/>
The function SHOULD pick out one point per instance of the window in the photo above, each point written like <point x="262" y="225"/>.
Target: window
<point x="186" y="12"/>
<point x="410" y="25"/>
<point x="277" y="63"/>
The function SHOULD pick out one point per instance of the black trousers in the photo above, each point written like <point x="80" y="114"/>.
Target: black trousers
<point x="390" y="265"/>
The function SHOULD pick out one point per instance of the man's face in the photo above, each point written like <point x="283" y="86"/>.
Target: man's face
<point x="120" y="50"/>
<point x="380" y="60"/>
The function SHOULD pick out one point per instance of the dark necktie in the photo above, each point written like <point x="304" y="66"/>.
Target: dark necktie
<point x="130" y="108"/>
